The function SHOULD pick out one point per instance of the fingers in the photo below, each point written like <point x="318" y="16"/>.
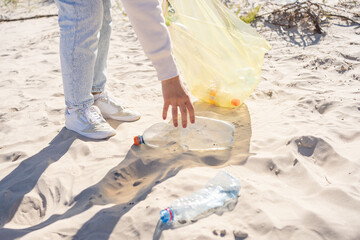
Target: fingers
<point x="191" y="110"/>
<point x="165" y="110"/>
<point x="184" y="106"/>
<point x="183" y="112"/>
<point x="175" y="114"/>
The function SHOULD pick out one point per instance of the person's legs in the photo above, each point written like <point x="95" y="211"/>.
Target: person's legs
<point x="80" y="22"/>
<point x="108" y="105"/>
<point x="103" y="46"/>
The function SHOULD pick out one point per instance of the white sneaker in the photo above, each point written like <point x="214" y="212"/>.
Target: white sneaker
<point x="88" y="122"/>
<point x="110" y="108"/>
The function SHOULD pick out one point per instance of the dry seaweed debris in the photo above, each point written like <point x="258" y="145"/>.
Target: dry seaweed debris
<point x="308" y="15"/>
<point x="304" y="15"/>
<point x="28" y="18"/>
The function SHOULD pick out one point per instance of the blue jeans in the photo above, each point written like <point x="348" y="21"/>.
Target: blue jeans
<point x="85" y="28"/>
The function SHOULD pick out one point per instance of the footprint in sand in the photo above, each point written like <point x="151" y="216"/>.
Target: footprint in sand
<point x="272" y="166"/>
<point x="137" y="183"/>
<point x="12" y="157"/>
<point x="306" y="145"/>
<point x="239" y="235"/>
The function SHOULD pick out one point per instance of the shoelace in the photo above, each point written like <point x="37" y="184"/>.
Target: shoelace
<point x="92" y="115"/>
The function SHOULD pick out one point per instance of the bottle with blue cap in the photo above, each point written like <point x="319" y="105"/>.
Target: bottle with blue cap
<point x="220" y="194"/>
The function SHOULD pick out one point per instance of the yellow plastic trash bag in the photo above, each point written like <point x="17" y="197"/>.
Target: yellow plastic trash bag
<point x="219" y="56"/>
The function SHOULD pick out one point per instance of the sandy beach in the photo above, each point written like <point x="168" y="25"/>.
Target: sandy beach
<point x="296" y="150"/>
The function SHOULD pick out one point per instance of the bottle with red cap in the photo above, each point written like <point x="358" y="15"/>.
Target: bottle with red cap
<point x="204" y="134"/>
<point x="219" y="195"/>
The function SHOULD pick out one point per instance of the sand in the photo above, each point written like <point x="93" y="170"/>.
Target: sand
<point x="296" y="150"/>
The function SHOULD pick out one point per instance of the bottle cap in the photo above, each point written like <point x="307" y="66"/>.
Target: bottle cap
<point x="235" y="102"/>
<point x="138" y="140"/>
<point x="166" y="215"/>
<point x="213" y="92"/>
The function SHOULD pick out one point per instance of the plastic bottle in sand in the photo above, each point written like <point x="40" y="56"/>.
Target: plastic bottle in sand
<point x="219" y="195"/>
<point x="204" y="134"/>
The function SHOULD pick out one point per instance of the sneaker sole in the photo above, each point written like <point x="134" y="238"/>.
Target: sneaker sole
<point x="97" y="136"/>
<point x="123" y="119"/>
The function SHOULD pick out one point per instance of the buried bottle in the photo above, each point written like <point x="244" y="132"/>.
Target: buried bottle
<point x="220" y="194"/>
<point x="204" y="134"/>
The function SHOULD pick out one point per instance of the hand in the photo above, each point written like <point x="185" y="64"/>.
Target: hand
<point x="175" y="94"/>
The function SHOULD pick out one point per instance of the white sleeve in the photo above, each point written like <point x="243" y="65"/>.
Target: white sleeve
<point x="149" y="25"/>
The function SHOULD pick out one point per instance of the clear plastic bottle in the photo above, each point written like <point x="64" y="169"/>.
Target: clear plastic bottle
<point x="220" y="194"/>
<point x="204" y="134"/>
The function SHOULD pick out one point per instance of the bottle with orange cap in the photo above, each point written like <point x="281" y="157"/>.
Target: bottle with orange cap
<point x="204" y="134"/>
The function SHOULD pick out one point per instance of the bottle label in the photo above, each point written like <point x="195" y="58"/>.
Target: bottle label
<point x="171" y="214"/>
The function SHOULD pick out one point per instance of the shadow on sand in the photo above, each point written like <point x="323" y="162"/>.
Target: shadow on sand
<point x="12" y="191"/>
<point x="296" y="37"/>
<point x="141" y="169"/>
